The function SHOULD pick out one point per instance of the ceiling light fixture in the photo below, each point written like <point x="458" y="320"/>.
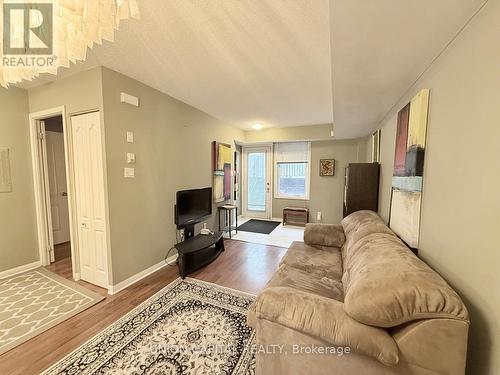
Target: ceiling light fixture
<point x="59" y="32"/>
<point x="257" y="126"/>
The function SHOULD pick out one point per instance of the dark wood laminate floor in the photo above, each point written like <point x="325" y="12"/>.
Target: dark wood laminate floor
<point x="62" y="251"/>
<point x="243" y="266"/>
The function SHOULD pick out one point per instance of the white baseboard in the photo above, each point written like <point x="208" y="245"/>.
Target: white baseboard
<point x="113" y="289"/>
<point x="20" y="269"/>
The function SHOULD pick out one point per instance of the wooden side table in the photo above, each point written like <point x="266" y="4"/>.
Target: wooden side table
<point x="300" y="212"/>
<point x="228" y="218"/>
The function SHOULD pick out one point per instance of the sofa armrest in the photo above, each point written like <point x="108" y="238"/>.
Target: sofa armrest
<point x="325" y="318"/>
<point x="324" y="235"/>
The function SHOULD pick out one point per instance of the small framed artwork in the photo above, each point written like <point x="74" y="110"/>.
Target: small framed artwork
<point x="327" y="167"/>
<point x="376" y="146"/>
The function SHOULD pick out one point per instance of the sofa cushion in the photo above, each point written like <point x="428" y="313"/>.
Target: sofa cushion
<point x="351" y="222"/>
<point x="386" y="285"/>
<point x="318" y="260"/>
<point x="324" y="235"/>
<point x="359" y="225"/>
<point x="295" y="278"/>
<point x="326" y="319"/>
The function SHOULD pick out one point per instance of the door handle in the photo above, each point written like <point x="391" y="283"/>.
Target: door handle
<point x="64" y="194"/>
<point x="84" y="225"/>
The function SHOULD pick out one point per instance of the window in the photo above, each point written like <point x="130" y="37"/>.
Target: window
<point x="291" y="170"/>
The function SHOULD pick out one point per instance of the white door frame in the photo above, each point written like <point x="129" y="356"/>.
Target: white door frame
<point x="268" y="147"/>
<point x="42" y="197"/>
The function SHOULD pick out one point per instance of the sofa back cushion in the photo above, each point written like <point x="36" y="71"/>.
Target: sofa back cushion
<point x="359" y="225"/>
<point x="386" y="285"/>
<point x="331" y="235"/>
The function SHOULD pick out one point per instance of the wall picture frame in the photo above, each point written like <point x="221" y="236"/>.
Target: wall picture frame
<point x="221" y="168"/>
<point x="327" y="167"/>
<point x="376" y="146"/>
<point x="407" y="180"/>
<point x="5" y="174"/>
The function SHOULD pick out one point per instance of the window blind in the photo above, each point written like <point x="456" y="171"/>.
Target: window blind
<point x="291" y="152"/>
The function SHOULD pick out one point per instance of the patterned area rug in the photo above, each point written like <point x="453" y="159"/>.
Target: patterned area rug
<point x="35" y="301"/>
<point x="189" y="327"/>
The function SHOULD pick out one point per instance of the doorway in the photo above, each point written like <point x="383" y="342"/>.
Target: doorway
<point x="70" y="193"/>
<point x="257" y="175"/>
<point x="57" y="187"/>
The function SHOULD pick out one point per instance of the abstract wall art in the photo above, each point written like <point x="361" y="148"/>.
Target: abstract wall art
<point x="221" y="167"/>
<point x="407" y="180"/>
<point x="327" y="167"/>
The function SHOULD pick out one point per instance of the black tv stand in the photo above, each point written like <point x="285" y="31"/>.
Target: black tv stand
<point x="198" y="251"/>
<point x="188" y="231"/>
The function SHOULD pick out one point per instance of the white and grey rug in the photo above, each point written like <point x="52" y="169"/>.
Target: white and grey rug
<point x="34" y="301"/>
<point x="189" y="327"/>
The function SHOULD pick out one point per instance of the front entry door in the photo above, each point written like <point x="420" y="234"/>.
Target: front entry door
<point x="257" y="166"/>
<point x="90" y="198"/>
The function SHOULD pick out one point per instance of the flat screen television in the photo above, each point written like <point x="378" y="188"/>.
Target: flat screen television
<point x="192" y="206"/>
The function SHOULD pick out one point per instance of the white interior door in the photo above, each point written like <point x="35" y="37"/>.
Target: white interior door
<point x="57" y="186"/>
<point x="257" y="174"/>
<point x="90" y="197"/>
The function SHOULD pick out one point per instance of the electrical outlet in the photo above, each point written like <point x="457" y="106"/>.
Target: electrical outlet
<point x="181" y="234"/>
<point x="318" y="216"/>
<point x="129" y="172"/>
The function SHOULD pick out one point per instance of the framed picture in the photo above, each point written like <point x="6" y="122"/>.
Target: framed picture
<point x="376" y="146"/>
<point x="221" y="168"/>
<point x="407" y="180"/>
<point x="327" y="167"/>
<point x="5" y="178"/>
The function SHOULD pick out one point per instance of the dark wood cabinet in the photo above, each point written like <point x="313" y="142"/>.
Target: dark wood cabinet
<point x="361" y="187"/>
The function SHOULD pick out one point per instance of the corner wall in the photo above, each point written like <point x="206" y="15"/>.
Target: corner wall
<point x="461" y="200"/>
<point x="172" y="143"/>
<point x="18" y="234"/>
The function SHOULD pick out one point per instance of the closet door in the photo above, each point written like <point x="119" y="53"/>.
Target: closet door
<point x="90" y="197"/>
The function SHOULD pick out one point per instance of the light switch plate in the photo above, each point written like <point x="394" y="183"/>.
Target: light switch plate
<point x="130" y="158"/>
<point x="129" y="172"/>
<point x="130" y="137"/>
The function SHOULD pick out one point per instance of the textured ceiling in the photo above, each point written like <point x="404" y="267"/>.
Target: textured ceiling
<point x="270" y="61"/>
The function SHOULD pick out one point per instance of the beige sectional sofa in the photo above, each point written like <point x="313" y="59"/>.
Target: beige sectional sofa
<point x="353" y="299"/>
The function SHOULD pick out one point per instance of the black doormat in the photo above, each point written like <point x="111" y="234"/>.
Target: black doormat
<point x="259" y="226"/>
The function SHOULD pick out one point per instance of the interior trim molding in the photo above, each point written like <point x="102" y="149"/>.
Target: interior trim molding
<point x="20" y="269"/>
<point x="113" y="289"/>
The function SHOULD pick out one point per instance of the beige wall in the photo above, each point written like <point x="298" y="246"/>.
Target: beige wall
<point x="80" y="92"/>
<point x="294" y="133"/>
<point x="18" y="238"/>
<point x="172" y="142"/>
<point x="327" y="193"/>
<point x="461" y="200"/>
